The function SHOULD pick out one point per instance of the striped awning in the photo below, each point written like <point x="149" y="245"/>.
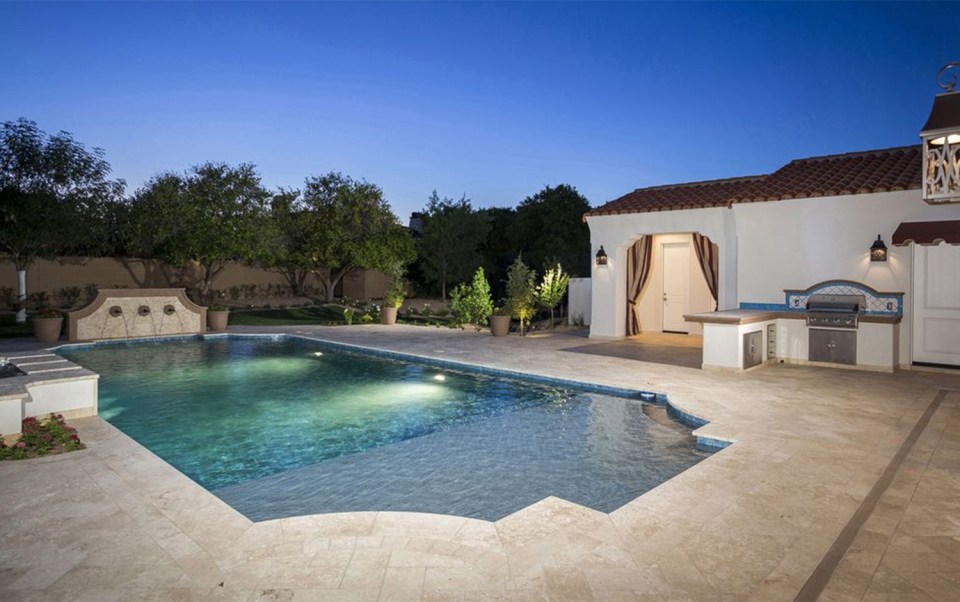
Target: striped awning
<point x="927" y="233"/>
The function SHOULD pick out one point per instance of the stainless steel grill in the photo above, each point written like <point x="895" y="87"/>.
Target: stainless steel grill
<point x="834" y="311"/>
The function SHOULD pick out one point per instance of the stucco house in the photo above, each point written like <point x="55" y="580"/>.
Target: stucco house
<point x="738" y="260"/>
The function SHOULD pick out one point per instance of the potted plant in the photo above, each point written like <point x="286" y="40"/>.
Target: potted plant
<point x="217" y="317"/>
<point x="47" y="324"/>
<point x="500" y="322"/>
<point x="395" y="295"/>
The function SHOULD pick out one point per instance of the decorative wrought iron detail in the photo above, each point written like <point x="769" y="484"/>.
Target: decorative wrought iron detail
<point x="941" y="172"/>
<point x="945" y="81"/>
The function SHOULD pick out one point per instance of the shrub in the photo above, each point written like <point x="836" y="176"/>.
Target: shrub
<point x="471" y="303"/>
<point x="521" y="292"/>
<point x="37" y="300"/>
<point x="90" y="292"/>
<point x="397" y="289"/>
<point x="235" y="293"/>
<point x="69" y="296"/>
<point x="8" y="297"/>
<point x="348" y="314"/>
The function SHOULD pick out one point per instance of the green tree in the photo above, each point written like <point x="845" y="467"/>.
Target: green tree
<point x="552" y="289"/>
<point x="53" y="191"/>
<point x="345" y="225"/>
<point x="205" y="218"/>
<point x="472" y="303"/>
<point x="450" y="247"/>
<point x="549" y="229"/>
<point x="288" y="236"/>
<point x="521" y="292"/>
<point x="500" y="246"/>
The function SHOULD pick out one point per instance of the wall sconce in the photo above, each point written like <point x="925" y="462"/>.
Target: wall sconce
<point x="878" y="250"/>
<point x="601" y="256"/>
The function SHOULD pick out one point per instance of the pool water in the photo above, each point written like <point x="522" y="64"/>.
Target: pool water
<point x="285" y="426"/>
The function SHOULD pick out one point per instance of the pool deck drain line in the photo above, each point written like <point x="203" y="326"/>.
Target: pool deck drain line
<point x="821" y="575"/>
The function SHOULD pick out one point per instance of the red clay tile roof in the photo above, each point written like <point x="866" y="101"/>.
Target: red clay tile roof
<point x="835" y="175"/>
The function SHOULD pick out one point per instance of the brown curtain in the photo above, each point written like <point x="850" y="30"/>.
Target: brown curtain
<point x="638" y="268"/>
<point x="708" y="256"/>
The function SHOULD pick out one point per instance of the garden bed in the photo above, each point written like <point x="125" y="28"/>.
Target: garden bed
<point x="42" y="438"/>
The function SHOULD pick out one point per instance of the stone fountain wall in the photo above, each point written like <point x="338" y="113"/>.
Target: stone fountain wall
<point x="136" y="313"/>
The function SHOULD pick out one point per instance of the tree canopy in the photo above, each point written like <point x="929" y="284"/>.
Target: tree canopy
<point x="338" y="225"/>
<point x="452" y="235"/>
<point x="549" y="229"/>
<point x="53" y="191"/>
<point x="207" y="216"/>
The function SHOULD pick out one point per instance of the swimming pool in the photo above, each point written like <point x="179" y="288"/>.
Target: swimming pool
<point x="286" y="426"/>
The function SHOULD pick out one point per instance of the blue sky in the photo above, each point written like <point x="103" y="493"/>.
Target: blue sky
<point x="492" y="100"/>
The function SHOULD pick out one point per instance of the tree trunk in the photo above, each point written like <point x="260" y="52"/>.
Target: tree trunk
<point x="552" y="323"/>
<point x="21" y="295"/>
<point x="330" y="280"/>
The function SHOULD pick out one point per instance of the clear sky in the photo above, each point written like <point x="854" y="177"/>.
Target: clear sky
<point x="491" y="100"/>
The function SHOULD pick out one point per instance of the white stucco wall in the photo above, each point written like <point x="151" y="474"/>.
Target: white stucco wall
<point x="617" y="232"/>
<point x="797" y="243"/>
<point x="771" y="246"/>
<point x="578" y="300"/>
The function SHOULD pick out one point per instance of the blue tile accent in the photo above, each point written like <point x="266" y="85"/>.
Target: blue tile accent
<point x="765" y="306"/>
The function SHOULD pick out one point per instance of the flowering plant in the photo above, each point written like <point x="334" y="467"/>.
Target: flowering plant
<point x="52" y="436"/>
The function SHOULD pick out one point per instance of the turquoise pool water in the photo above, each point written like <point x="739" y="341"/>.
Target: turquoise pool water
<point x="279" y="427"/>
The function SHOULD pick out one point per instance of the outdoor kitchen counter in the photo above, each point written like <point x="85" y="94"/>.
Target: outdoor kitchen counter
<point x="750" y="316"/>
<point x="739" y="339"/>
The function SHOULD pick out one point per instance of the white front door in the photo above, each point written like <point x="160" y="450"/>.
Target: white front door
<point x="676" y="286"/>
<point x="936" y="304"/>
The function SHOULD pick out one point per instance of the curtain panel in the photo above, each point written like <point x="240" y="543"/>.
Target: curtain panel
<point x="708" y="256"/>
<point x="638" y="268"/>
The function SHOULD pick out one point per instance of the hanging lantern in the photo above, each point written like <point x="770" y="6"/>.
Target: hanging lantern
<point x="941" y="142"/>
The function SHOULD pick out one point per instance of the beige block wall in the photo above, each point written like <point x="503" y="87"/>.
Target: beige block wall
<point x="106" y="272"/>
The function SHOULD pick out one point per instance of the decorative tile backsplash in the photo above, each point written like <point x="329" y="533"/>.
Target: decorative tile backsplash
<point x="875" y="302"/>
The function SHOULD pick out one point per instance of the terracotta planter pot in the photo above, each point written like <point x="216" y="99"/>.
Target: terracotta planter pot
<point x="47" y="330"/>
<point x="389" y="316"/>
<point x="217" y="320"/>
<point x="500" y="326"/>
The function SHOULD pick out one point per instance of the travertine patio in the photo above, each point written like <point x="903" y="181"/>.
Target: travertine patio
<point x="753" y="521"/>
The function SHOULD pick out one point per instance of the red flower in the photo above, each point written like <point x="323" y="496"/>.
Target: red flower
<point x="74" y="438"/>
<point x="22" y="445"/>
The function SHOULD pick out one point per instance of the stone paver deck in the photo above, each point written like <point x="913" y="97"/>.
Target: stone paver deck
<point x="753" y="521"/>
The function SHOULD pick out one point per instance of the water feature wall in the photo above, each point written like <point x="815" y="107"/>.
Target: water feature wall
<point x="135" y="313"/>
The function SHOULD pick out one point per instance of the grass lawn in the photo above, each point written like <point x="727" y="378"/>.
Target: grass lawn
<point x="285" y="317"/>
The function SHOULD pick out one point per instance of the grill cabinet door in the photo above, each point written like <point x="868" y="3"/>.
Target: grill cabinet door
<point x="833" y="346"/>
<point x="752" y="349"/>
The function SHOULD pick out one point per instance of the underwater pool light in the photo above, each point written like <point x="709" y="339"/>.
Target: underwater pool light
<point x="318" y="353"/>
<point x="439" y="377"/>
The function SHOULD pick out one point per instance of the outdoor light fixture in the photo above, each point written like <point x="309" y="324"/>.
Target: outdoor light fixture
<point x="601" y="256"/>
<point x="941" y="142"/>
<point x="878" y="250"/>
